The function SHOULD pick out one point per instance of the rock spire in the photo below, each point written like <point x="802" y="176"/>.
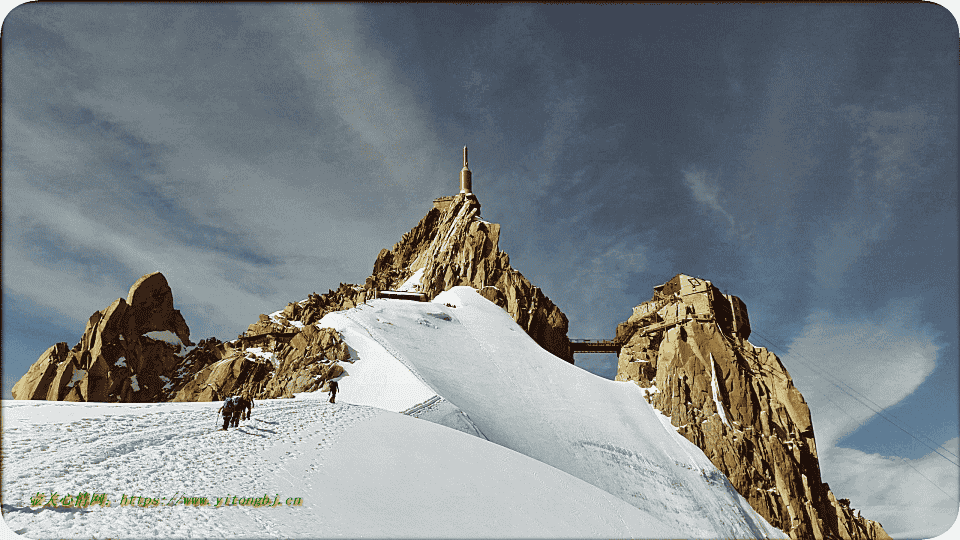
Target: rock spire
<point x="688" y="349"/>
<point x="452" y="245"/>
<point x="128" y="352"/>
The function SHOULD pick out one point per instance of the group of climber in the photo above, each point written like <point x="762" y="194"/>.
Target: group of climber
<point x="234" y="409"/>
<point x="237" y="408"/>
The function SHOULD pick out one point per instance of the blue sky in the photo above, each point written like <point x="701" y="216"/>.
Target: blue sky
<point x="801" y="157"/>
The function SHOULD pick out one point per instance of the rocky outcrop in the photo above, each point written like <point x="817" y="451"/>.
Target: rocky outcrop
<point x="688" y="348"/>
<point x="452" y="245"/>
<point x="128" y="352"/>
<point x="311" y="359"/>
<point x="139" y="350"/>
<point x="39" y="378"/>
<point x="273" y="359"/>
<point x="284" y="353"/>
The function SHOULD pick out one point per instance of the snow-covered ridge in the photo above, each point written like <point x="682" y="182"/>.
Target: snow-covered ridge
<point x="544" y="408"/>
<point x="548" y="437"/>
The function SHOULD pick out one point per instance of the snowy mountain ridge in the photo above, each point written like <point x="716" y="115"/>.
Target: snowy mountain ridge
<point x="486" y="358"/>
<point x="575" y="455"/>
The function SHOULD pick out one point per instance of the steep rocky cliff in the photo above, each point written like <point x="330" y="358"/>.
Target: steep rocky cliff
<point x="128" y="352"/>
<point x="688" y="348"/>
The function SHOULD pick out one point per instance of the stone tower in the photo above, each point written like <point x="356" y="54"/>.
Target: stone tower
<point x="465" y="176"/>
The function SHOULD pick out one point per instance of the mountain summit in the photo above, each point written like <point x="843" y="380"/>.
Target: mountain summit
<point x="451" y="246"/>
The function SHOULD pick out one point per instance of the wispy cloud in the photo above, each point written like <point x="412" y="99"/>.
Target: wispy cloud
<point x="891" y="345"/>
<point x="125" y="170"/>
<point x="384" y="115"/>
<point x="829" y="361"/>
<point x="912" y="498"/>
<point x="606" y="272"/>
<point x="705" y="188"/>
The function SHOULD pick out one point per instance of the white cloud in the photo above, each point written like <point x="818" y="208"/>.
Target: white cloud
<point x="911" y="498"/>
<point x="891" y="346"/>
<point x="884" y="357"/>
<point x="705" y="188"/>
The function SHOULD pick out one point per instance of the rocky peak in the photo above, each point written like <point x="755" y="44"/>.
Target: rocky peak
<point x="150" y="301"/>
<point x="687" y="347"/>
<point x="452" y="245"/>
<point x="127" y="353"/>
<point x="283" y="353"/>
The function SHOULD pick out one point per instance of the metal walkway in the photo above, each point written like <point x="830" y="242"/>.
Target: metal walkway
<point x="594" y="346"/>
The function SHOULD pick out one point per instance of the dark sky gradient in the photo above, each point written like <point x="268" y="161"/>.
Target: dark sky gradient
<point x="801" y="157"/>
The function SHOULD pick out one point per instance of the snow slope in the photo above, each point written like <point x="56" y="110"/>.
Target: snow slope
<point x="359" y="471"/>
<point x="576" y="455"/>
<point x="522" y="397"/>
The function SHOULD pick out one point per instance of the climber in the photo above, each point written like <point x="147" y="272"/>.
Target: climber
<point x="238" y="406"/>
<point x="333" y="391"/>
<point x="229" y="410"/>
<point x="246" y="406"/>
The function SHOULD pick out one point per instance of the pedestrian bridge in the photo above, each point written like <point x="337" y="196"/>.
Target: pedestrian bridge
<point x="595" y="346"/>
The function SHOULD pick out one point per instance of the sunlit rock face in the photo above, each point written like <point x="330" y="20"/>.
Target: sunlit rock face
<point x="688" y="348"/>
<point x="128" y="352"/>
<point x="276" y="363"/>
<point x="283" y="353"/>
<point x="452" y="245"/>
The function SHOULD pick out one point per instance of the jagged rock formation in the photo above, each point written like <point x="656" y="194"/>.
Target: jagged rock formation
<point x="284" y="353"/>
<point x="128" y="352"/>
<point x="688" y="347"/>
<point x="272" y="365"/>
<point x="453" y="246"/>
<point x="279" y="355"/>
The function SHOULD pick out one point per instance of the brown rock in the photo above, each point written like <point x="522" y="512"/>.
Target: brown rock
<point x="233" y="376"/>
<point x="302" y="361"/>
<point x="114" y="361"/>
<point x="494" y="295"/>
<point x="64" y="376"/>
<point x="151" y="304"/>
<point x="737" y="403"/>
<point x="36" y="382"/>
<point x="452" y="246"/>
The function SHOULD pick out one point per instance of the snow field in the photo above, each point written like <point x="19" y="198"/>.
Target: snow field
<point x="157" y="451"/>
<point x="360" y="472"/>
